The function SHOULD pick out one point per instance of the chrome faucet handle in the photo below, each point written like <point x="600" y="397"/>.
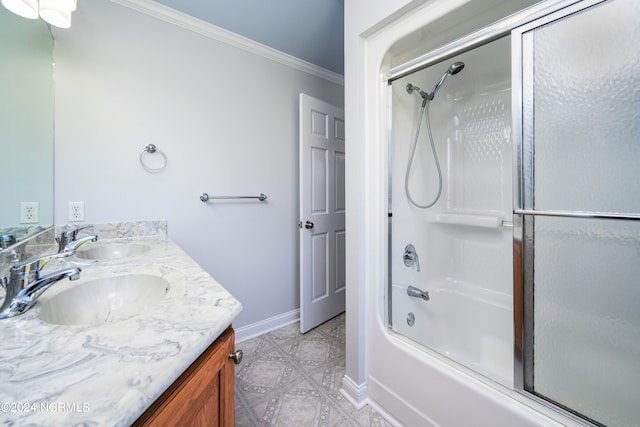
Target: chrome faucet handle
<point x="410" y="257"/>
<point x="35" y="264"/>
<point x="73" y="233"/>
<point x="68" y="236"/>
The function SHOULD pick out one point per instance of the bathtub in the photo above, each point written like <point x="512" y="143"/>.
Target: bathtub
<point x="469" y="325"/>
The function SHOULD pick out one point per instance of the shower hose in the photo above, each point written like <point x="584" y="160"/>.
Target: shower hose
<point x="425" y="106"/>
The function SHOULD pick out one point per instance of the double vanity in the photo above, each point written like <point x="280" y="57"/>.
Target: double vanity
<point x="117" y="345"/>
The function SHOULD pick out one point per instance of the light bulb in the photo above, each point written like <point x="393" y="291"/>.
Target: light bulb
<point x="24" y="8"/>
<point x="57" y="18"/>
<point x="57" y="12"/>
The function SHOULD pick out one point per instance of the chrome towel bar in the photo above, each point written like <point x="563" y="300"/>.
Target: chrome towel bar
<point x="205" y="197"/>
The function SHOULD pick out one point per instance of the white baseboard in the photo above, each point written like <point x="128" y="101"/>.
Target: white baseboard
<point x="253" y="330"/>
<point x="356" y="394"/>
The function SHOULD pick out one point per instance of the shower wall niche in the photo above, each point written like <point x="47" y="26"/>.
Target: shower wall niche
<point x="464" y="242"/>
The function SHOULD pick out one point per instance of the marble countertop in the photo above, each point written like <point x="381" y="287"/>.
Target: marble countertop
<point x="110" y="373"/>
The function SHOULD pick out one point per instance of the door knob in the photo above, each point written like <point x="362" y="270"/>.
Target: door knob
<point x="236" y="357"/>
<point x="308" y="225"/>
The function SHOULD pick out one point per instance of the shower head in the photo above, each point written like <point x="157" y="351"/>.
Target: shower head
<point x="455" y="68"/>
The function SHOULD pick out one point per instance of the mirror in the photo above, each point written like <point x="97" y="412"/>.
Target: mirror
<point x="26" y="127"/>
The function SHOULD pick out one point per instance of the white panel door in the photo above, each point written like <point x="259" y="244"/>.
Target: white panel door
<point x="322" y="208"/>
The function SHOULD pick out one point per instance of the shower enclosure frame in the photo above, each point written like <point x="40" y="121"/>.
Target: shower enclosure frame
<point x="523" y="212"/>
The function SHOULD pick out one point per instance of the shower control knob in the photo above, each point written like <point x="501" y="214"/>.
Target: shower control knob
<point x="236" y="357"/>
<point x="308" y="225"/>
<point x="410" y="257"/>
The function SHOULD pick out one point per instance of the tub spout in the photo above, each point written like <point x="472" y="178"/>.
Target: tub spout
<point x="412" y="291"/>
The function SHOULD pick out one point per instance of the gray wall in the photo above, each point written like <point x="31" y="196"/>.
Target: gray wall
<point x="226" y="118"/>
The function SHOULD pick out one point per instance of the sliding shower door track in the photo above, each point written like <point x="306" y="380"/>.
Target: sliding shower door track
<point x="478" y="38"/>
<point x="574" y="214"/>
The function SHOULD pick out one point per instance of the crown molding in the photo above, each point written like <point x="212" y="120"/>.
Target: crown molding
<point x="211" y="31"/>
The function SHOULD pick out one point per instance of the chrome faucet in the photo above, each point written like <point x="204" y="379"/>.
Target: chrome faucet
<point x="412" y="291"/>
<point x="410" y="257"/>
<point x="26" y="284"/>
<point x="68" y="240"/>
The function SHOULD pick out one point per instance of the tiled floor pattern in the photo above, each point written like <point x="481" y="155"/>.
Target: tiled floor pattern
<point x="289" y="379"/>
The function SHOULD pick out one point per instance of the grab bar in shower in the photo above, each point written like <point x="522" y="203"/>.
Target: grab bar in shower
<point x="205" y="197"/>
<point x="469" y="219"/>
<point x="472" y="220"/>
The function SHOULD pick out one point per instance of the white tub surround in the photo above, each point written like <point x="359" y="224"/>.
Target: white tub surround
<point x="110" y="373"/>
<point x="454" y="323"/>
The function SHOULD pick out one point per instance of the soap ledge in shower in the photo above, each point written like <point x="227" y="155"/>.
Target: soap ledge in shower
<point x="482" y="221"/>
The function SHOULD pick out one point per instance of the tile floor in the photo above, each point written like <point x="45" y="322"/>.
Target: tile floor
<point x="290" y="379"/>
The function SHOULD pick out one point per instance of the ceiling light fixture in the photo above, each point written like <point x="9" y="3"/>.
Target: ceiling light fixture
<point x="55" y="12"/>
<point x="25" y="8"/>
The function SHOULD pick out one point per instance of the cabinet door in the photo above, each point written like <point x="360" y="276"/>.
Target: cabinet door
<point x="203" y="395"/>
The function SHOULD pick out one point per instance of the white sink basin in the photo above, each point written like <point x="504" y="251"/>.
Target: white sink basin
<point x="111" y="250"/>
<point x="103" y="300"/>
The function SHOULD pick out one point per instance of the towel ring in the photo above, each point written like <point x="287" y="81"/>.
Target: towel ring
<point x="151" y="149"/>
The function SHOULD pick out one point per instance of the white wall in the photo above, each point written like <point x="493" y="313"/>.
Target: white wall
<point x="227" y="120"/>
<point x="360" y="16"/>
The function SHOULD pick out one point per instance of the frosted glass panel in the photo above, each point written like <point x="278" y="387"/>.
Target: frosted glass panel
<point x="587" y="321"/>
<point x="581" y="153"/>
<point x="587" y="110"/>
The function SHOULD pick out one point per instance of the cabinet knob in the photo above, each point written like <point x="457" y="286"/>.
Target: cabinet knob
<point x="236" y="357"/>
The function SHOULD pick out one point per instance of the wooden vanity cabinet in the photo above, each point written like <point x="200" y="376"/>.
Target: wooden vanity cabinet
<point x="202" y="395"/>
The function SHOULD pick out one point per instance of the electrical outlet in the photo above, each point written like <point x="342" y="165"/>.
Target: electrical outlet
<point x="76" y="211"/>
<point x="29" y="212"/>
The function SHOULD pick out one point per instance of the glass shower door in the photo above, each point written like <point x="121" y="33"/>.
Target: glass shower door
<point x="578" y="211"/>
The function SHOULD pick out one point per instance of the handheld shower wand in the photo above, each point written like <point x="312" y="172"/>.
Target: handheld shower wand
<point x="454" y="68"/>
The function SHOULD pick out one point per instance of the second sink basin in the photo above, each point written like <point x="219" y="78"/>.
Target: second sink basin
<point x="109" y="251"/>
<point x="104" y="299"/>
